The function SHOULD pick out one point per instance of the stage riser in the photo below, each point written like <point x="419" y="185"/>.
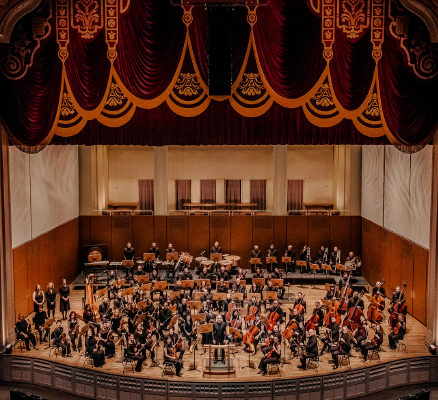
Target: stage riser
<point x="345" y="385"/>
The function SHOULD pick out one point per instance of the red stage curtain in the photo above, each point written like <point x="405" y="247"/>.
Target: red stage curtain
<point x="208" y="191"/>
<point x="183" y="192"/>
<point x="146" y="194"/>
<point x="258" y="193"/>
<point x="232" y="191"/>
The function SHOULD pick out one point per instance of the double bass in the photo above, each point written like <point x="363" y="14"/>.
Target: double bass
<point x="398" y="308"/>
<point x="352" y="318"/>
<point x="346" y="292"/>
<point x="375" y="308"/>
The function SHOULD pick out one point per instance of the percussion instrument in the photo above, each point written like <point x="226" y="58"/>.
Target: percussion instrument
<point x="187" y="258"/>
<point x="207" y="262"/>
<point x="234" y="259"/>
<point x="199" y="259"/>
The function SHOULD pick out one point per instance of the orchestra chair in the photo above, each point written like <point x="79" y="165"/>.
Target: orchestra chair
<point x="127" y="361"/>
<point x="399" y="344"/>
<point x="20" y="342"/>
<point x="314" y="361"/>
<point x="168" y="367"/>
<point x="87" y="358"/>
<point x="56" y="348"/>
<point x="345" y="357"/>
<point x="374" y="352"/>
<point x="274" y="368"/>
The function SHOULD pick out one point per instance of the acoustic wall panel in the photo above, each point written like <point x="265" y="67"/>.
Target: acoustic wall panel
<point x="142" y="234"/>
<point x="280" y="236"/>
<point x="407" y="270"/>
<point x="319" y="232"/>
<point x="121" y="234"/>
<point x="419" y="286"/>
<point x="199" y="234"/>
<point x="372" y="183"/>
<point x="395" y="277"/>
<point x="263" y="233"/>
<point x="20" y="280"/>
<point x="160" y="233"/>
<point x="177" y="227"/>
<point x="297" y="232"/>
<point x="340" y="232"/>
<point x="420" y="190"/>
<point x="220" y="230"/>
<point x="241" y="238"/>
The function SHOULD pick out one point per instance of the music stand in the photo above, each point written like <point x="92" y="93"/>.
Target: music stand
<point x="270" y="296"/>
<point x="259" y="281"/>
<point x="254" y="262"/>
<point x="205" y="328"/>
<point x="326" y="268"/>
<point x="122" y="283"/>
<point x="277" y="282"/>
<point x="286" y="260"/>
<point x="242" y="282"/>
<point x="314" y="268"/>
<point x="198" y="295"/>
<point x="227" y="284"/>
<point x="301" y="264"/>
<point x="200" y="318"/>
<point x="216" y="257"/>
<point x="142" y="304"/>
<point x="219" y="296"/>
<point x="258" y="296"/>
<point x="102" y="293"/>
<point x="172" y="256"/>
<point x="128" y="263"/>
<point x="188" y="284"/>
<point x="236" y="296"/>
<point x="47" y="325"/>
<point x="340" y="267"/>
<point x="83" y="332"/>
<point x="199" y="282"/>
<point x="270" y="261"/>
<point x="146" y="287"/>
<point x="142" y="279"/>
<point x="195" y="305"/>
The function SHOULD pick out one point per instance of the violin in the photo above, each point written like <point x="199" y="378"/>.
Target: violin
<point x="251" y="314"/>
<point x="299" y="306"/>
<point x="269" y="355"/>
<point x="64" y="338"/>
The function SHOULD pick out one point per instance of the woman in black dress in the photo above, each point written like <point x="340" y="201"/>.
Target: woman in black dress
<point x="91" y="344"/>
<point x="51" y="299"/>
<point x="64" y="299"/>
<point x="38" y="298"/>
<point x="73" y="329"/>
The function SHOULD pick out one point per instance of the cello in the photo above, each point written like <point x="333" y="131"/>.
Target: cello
<point x="346" y="292"/>
<point x="299" y="307"/>
<point x="251" y="314"/>
<point x="398" y="308"/>
<point x="352" y="318"/>
<point x="248" y="337"/>
<point x="310" y="324"/>
<point x="375" y="308"/>
<point x="273" y="318"/>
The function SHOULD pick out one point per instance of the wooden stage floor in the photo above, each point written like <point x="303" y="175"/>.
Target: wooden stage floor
<point x="414" y="339"/>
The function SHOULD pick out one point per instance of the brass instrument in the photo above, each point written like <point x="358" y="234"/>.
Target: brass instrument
<point x="325" y="256"/>
<point x="308" y="254"/>
<point x="353" y="264"/>
<point x="338" y="257"/>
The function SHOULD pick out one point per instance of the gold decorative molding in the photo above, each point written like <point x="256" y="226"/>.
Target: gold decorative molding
<point x="10" y="13"/>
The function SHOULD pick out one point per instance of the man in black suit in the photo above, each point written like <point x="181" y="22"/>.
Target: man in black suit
<point x="105" y="310"/>
<point x="170" y="249"/>
<point x="379" y="289"/>
<point x="290" y="253"/>
<point x="272" y="252"/>
<point x="154" y="249"/>
<point x="311" y="349"/>
<point x="334" y="259"/>
<point x="219" y="328"/>
<point x="216" y="248"/>
<point x="129" y="254"/>
<point x="344" y="346"/>
<point x="255" y="253"/>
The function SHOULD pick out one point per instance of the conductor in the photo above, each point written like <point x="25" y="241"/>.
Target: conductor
<point x="219" y="328"/>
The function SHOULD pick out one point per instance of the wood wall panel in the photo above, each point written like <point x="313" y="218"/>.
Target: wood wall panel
<point x="340" y="232"/>
<point x="177" y="232"/>
<point x="356" y="235"/>
<point x="220" y="231"/>
<point x="420" y="283"/>
<point x="263" y="233"/>
<point x="395" y="266"/>
<point x="385" y="255"/>
<point x="280" y="236"/>
<point x="20" y="280"/>
<point x="85" y="230"/>
<point x="160" y="233"/>
<point x="69" y="236"/>
<point x="56" y="257"/>
<point x="101" y="231"/>
<point x="297" y="232"/>
<point x="33" y="269"/>
<point x="121" y="234"/>
<point x="199" y="235"/>
<point x="407" y="271"/>
<point x="142" y="234"/>
<point x="44" y="255"/>
<point x="318" y="234"/>
<point x="367" y="251"/>
<point x="241" y="238"/>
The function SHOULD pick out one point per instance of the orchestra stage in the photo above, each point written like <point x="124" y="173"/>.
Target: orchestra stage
<point x="409" y="364"/>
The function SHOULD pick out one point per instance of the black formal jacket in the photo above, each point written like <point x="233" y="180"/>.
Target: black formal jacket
<point x="312" y="345"/>
<point x="219" y="331"/>
<point x="129" y="253"/>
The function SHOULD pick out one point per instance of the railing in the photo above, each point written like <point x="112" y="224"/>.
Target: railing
<point x="318" y="212"/>
<point x="124" y="212"/>
<point x="220" y="212"/>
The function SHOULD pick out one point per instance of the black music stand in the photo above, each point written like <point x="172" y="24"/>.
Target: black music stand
<point x="284" y="361"/>
<point x="314" y="268"/>
<point x="250" y="364"/>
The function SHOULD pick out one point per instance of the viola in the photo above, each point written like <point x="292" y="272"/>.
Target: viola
<point x="299" y="306"/>
<point x="273" y="318"/>
<point x="251" y="314"/>
<point x="310" y="324"/>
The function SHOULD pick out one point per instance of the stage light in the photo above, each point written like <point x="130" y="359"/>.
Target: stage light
<point x="432" y="348"/>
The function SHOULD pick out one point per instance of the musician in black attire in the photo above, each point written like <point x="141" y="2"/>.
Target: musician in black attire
<point x="175" y="337"/>
<point x="205" y="274"/>
<point x="276" y="309"/>
<point x="375" y="343"/>
<point x="129" y="254"/>
<point x="154" y="278"/>
<point x="170" y="249"/>
<point x="154" y="249"/>
<point x="187" y="329"/>
<point x="218" y="337"/>
<point x="272" y="252"/>
<point x="170" y="356"/>
<point x="223" y="273"/>
<point x="105" y="311"/>
<point x="91" y="344"/>
<point x="64" y="299"/>
<point x="261" y="327"/>
<point x="216" y="248"/>
<point x="255" y="253"/>
<point x="254" y="303"/>
<point x="344" y="346"/>
<point x="396" y="298"/>
<point x="311" y="349"/>
<point x="139" y="271"/>
<point x="379" y="289"/>
<point x="317" y="310"/>
<point x="187" y="276"/>
<point x="355" y="300"/>
<point x="290" y="266"/>
<point x="332" y="293"/>
<point x="296" y="317"/>
<point x="107" y="340"/>
<point x="39" y="320"/>
<point x="331" y="336"/>
<point x="132" y="316"/>
<point x="207" y="338"/>
<point x="258" y="274"/>
<point x="164" y="319"/>
<point x="343" y="282"/>
<point x="398" y="332"/>
<point x="22" y="331"/>
<point x="321" y="254"/>
<point x="300" y="300"/>
<point x="183" y="309"/>
<point x="51" y="299"/>
<point x="268" y="288"/>
<point x="272" y="357"/>
<point x="144" y="342"/>
<point x="298" y="339"/>
<point x="73" y="329"/>
<point x="59" y="342"/>
<point x="90" y="318"/>
<point x="133" y="353"/>
<point x="119" y="301"/>
<point x="305" y="256"/>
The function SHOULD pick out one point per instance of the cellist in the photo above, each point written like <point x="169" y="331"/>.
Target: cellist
<point x="253" y="309"/>
<point x="396" y="298"/>
<point x="297" y="340"/>
<point x="299" y="301"/>
<point x="361" y="332"/>
<point x="398" y="332"/>
<point x="331" y="336"/>
<point x="271" y="357"/>
<point x="296" y="317"/>
<point x="311" y="349"/>
<point x="276" y="309"/>
<point x="332" y="293"/>
<point x="375" y="343"/>
<point x="317" y="318"/>
<point x="355" y="299"/>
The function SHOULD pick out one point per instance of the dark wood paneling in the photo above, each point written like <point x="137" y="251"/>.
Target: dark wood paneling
<point x="318" y="234"/>
<point x="263" y="233"/>
<point x="101" y="231"/>
<point x="220" y="231"/>
<point x="407" y="270"/>
<point x="142" y="233"/>
<point x="280" y="235"/>
<point x="84" y="230"/>
<point x="395" y="267"/>
<point x="356" y="235"/>
<point x="121" y="233"/>
<point x="241" y="238"/>
<point x="160" y="234"/>
<point x="199" y="234"/>
<point x="56" y="257"/>
<point x="69" y="239"/>
<point x="44" y="256"/>
<point x="340" y="231"/>
<point x="297" y="232"/>
<point x="366" y="254"/>
<point x="420" y="283"/>
<point x="385" y="255"/>
<point x="21" y="291"/>
<point x="33" y="269"/>
<point x="177" y="232"/>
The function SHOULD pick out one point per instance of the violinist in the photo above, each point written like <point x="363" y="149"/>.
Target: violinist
<point x="290" y="266"/>
<point x="259" y="274"/>
<point x="132" y="317"/>
<point x="105" y="311"/>
<point x="268" y="345"/>
<point x="116" y="321"/>
<point x="219" y="328"/>
<point x="374" y="344"/>
<point x="92" y="346"/>
<point x="216" y="249"/>
<point x="255" y="288"/>
<point x="73" y="329"/>
<point x="253" y="307"/>
<point x="90" y="318"/>
<point x="39" y="320"/>
<point x="255" y="253"/>
<point x="299" y="301"/>
<point x="175" y="339"/>
<point x="107" y="340"/>
<point x="51" y="299"/>
<point x="333" y="293"/>
<point x="355" y="300"/>
<point x="271" y="357"/>
<point x="396" y="299"/>
<point x="187" y="329"/>
<point x="119" y="302"/>
<point x="118" y="286"/>
<point x="398" y="332"/>
<point x="222" y="274"/>
<point x="170" y="356"/>
<point x="129" y="254"/>
<point x="182" y="295"/>
<point x="331" y="335"/>
<point x="261" y="327"/>
<point x="164" y="319"/>
<point x="225" y="305"/>
<point x="60" y="340"/>
<point x="361" y="332"/>
<point x="311" y="350"/>
<point x="297" y="340"/>
<point x="133" y="352"/>
<point x="272" y="252"/>
<point x="317" y="318"/>
<point x="142" y="338"/>
<point x="344" y="346"/>
<point x="183" y="309"/>
<point x="23" y="331"/>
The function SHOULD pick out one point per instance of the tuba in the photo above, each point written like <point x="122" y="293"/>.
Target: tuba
<point x="353" y="264"/>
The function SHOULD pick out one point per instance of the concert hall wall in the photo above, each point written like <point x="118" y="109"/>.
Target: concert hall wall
<point x="236" y="234"/>
<point x="386" y="255"/>
<point x="50" y="257"/>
